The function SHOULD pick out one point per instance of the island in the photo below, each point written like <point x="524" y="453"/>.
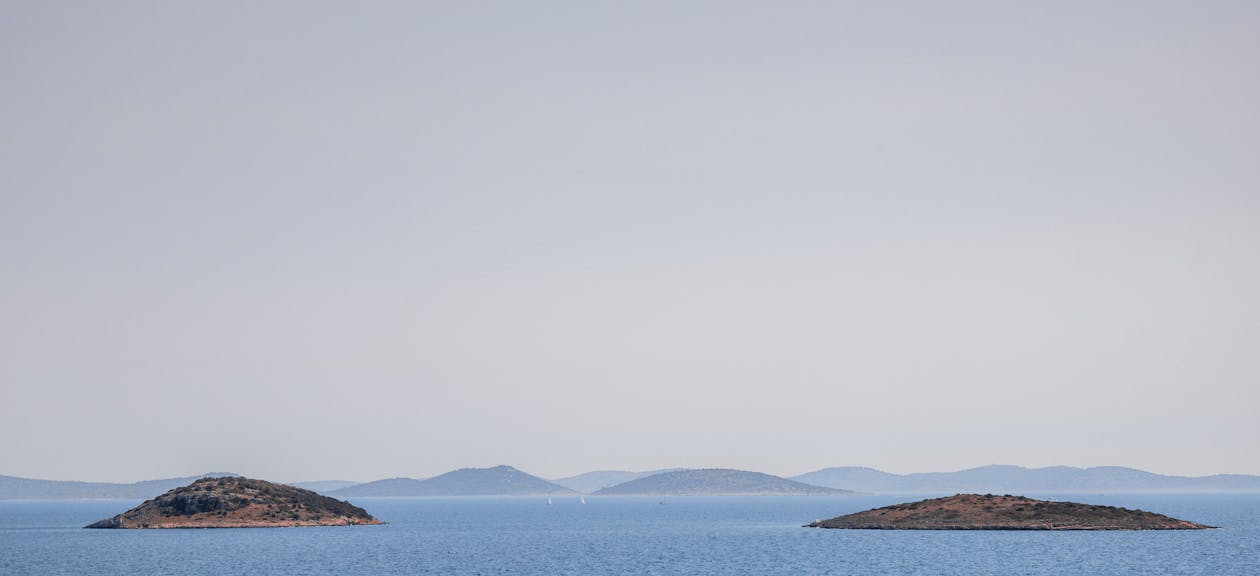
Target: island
<point x="495" y="481"/>
<point x="238" y="502"/>
<point x="715" y="482"/>
<point x="990" y="512"/>
<point x="589" y="482"/>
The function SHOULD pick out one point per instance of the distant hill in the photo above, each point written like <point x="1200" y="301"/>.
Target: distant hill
<point x="591" y="481"/>
<point x="15" y="488"/>
<point x="496" y="481"/>
<point x="716" y="481"/>
<point x="386" y="487"/>
<point x="1012" y="479"/>
<point x="324" y="486"/>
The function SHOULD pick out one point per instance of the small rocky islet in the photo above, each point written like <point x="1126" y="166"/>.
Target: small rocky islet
<point x="1006" y="512"/>
<point x="238" y="502"/>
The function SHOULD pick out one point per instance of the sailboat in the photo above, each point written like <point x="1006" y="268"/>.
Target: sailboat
<point x="582" y="498"/>
<point x="549" y="500"/>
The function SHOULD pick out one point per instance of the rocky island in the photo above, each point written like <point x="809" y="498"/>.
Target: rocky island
<point x="236" y="502"/>
<point x="989" y="512"/>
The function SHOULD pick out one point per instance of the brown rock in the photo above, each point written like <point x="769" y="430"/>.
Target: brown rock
<point x="989" y="512"/>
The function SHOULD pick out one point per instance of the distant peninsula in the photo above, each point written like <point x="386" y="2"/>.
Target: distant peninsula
<point x="237" y="502"/>
<point x="1000" y="479"/>
<point x="18" y="488"/>
<point x="715" y="482"/>
<point x="495" y="481"/>
<point x="990" y="512"/>
<point x="589" y="482"/>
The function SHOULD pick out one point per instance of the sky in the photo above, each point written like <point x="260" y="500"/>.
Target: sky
<point x="315" y="240"/>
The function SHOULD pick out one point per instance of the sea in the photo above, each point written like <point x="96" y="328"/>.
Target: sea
<point x="628" y="535"/>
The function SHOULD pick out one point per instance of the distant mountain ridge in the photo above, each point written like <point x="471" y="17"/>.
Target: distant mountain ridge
<point x="715" y="482"/>
<point x="15" y="488"/>
<point x="505" y="480"/>
<point x="323" y="486"/>
<point x="496" y="481"/>
<point x="1012" y="479"/>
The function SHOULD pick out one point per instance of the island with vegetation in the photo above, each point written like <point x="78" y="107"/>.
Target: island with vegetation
<point x="990" y="512"/>
<point x="237" y="502"/>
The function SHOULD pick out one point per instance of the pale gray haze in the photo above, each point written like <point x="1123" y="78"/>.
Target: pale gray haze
<point x="307" y="240"/>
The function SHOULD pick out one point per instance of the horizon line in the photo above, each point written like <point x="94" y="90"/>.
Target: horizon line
<point x="659" y="469"/>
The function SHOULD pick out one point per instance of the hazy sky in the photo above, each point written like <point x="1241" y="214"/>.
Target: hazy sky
<point x="355" y="240"/>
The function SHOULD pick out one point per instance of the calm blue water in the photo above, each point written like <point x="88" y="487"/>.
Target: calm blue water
<point x="626" y="535"/>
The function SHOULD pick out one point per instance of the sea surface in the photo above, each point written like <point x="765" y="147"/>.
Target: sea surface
<point x="628" y="535"/>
